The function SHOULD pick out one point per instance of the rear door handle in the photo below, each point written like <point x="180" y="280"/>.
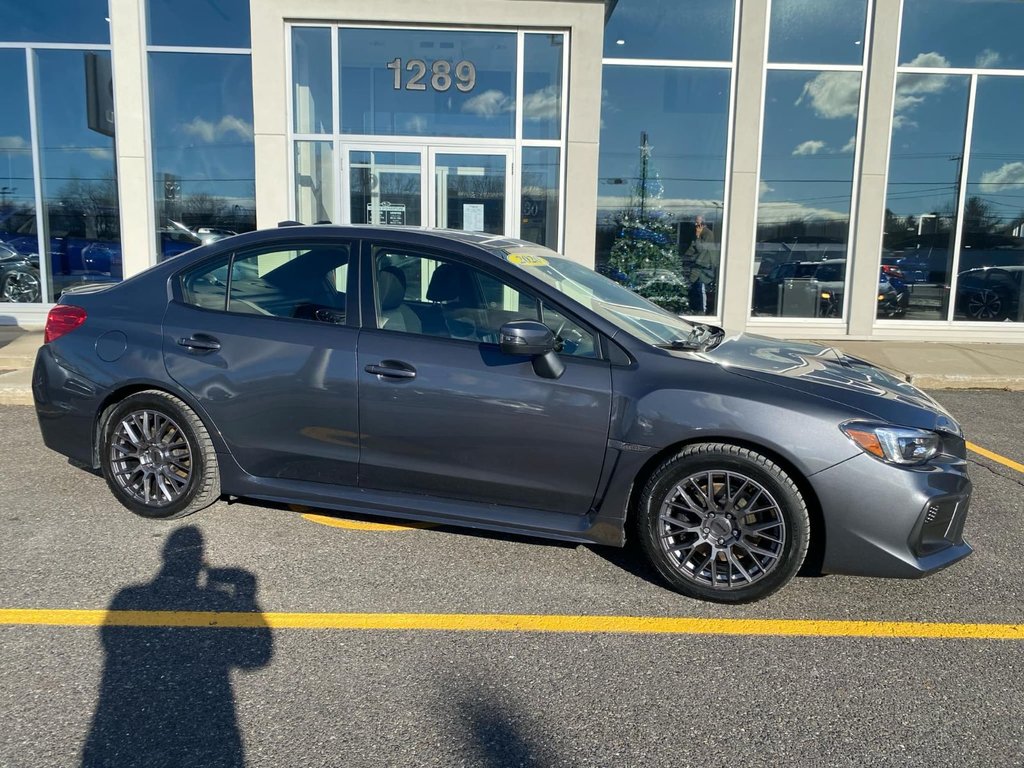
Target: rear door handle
<point x="394" y="369"/>
<point x="200" y="342"/>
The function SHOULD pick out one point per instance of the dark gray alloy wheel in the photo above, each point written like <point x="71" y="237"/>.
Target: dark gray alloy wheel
<point x="157" y="457"/>
<point x="723" y="523"/>
<point x="21" y="286"/>
<point x="986" y="304"/>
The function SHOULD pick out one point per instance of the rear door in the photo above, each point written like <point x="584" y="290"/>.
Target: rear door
<point x="263" y="340"/>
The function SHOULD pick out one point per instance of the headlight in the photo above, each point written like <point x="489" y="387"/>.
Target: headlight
<point x="896" y="445"/>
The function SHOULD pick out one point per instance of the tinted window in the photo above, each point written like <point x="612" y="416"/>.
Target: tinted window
<point x="200" y="23"/>
<point x="670" y="29"/>
<point x="55" y="21"/>
<point x="817" y="31"/>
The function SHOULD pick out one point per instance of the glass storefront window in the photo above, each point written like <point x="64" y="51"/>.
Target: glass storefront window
<point x="803" y="214"/>
<point x="925" y="164"/>
<point x="962" y="33"/>
<point x="539" y="215"/>
<point x="312" y="105"/>
<point x="314" y="181"/>
<point x="428" y="83"/>
<point x="386" y="188"/>
<point x="696" y="30"/>
<point x="55" y="21"/>
<point x="989" y="284"/>
<point x="198" y="23"/>
<point x="79" y="173"/>
<point x="542" y="86"/>
<point x="662" y="173"/>
<point x="817" y="31"/>
<point x="203" y="161"/>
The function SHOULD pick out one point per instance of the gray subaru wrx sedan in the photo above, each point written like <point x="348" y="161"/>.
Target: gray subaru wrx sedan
<point x="488" y="382"/>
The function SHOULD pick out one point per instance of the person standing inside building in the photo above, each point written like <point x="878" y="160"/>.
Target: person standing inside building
<point x="702" y="259"/>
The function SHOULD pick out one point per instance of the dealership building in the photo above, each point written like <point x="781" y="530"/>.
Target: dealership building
<point x="803" y="168"/>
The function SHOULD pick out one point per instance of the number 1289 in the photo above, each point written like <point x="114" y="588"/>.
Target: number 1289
<point x="440" y="75"/>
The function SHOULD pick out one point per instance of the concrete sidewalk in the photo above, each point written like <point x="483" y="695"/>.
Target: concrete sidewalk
<point x="928" y="365"/>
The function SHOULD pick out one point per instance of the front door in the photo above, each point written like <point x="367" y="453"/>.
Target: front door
<point x="464" y="188"/>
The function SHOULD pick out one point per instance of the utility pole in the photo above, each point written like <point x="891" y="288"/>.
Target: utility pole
<point x="645" y="154"/>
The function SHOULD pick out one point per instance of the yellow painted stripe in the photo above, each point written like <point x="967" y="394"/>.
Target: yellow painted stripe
<point x="995" y="457"/>
<point x="497" y="622"/>
<point x="365" y="525"/>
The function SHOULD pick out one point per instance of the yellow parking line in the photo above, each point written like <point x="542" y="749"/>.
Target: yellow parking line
<point x="365" y="525"/>
<point x="995" y="457"/>
<point x="498" y="622"/>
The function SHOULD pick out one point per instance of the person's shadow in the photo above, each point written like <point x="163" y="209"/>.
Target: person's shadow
<point x="166" y="697"/>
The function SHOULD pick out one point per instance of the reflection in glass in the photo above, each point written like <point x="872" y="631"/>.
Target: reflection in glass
<point x="697" y="30"/>
<point x="311" y="80"/>
<point x="19" y="260"/>
<point x="420" y="82"/>
<point x="203" y="162"/>
<point x="989" y="284"/>
<point x="957" y="33"/>
<point x="542" y="86"/>
<point x="385" y="188"/>
<point x="55" y="21"/>
<point x="539" y="220"/>
<point x="198" y="23"/>
<point x="817" y="31"/>
<point x="803" y="213"/>
<point x="662" y="169"/>
<point x="314" y="182"/>
<point x="470" y="192"/>
<point x="79" y="174"/>
<point x="925" y="162"/>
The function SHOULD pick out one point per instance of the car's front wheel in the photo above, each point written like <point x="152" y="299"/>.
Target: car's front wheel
<point x="21" y="285"/>
<point x="723" y="523"/>
<point x="157" y="457"/>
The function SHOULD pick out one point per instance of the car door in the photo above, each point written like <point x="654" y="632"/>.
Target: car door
<point x="262" y="339"/>
<point x="443" y="412"/>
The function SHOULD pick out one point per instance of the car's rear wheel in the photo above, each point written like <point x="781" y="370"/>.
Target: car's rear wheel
<point x="21" y="285"/>
<point x="723" y="523"/>
<point x="157" y="457"/>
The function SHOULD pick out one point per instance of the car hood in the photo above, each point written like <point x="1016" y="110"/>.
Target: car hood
<point x="826" y="372"/>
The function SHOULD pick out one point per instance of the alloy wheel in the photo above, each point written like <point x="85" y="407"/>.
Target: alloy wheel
<point x="151" y="458"/>
<point x="722" y="529"/>
<point x="21" y="287"/>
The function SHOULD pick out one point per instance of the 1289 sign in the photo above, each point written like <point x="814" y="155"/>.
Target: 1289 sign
<point x="442" y="75"/>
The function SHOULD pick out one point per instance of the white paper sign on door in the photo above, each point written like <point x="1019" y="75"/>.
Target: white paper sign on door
<point x="473" y="217"/>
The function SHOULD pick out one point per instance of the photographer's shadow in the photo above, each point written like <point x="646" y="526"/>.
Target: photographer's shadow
<point x="166" y="696"/>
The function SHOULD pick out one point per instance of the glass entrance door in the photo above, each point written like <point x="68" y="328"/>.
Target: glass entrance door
<point x="470" y="189"/>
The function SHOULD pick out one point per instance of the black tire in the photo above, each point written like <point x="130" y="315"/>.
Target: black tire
<point x="699" y="544"/>
<point x="157" y="457"/>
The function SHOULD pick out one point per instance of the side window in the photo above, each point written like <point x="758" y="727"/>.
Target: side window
<point x="305" y="283"/>
<point x="436" y="297"/>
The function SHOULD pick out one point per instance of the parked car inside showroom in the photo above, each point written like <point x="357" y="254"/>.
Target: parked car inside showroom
<point x="19" y="276"/>
<point x="469" y="379"/>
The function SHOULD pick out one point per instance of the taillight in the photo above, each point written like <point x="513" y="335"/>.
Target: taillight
<point x="62" y="319"/>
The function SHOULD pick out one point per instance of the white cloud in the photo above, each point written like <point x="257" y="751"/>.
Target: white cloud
<point x="811" y="147"/>
<point x="833" y="95"/>
<point x="690" y="207"/>
<point x="209" y="132"/>
<point x="490" y="103"/>
<point x="1009" y="176"/>
<point x="545" y="104"/>
<point x="416" y="124"/>
<point x="100" y="153"/>
<point x="13" y="143"/>
<point x="849" y="146"/>
<point x="987" y="58"/>
<point x="763" y="189"/>
<point x="913" y="88"/>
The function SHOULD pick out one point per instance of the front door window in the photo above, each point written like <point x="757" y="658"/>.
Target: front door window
<point x="385" y="187"/>
<point x="471" y="192"/>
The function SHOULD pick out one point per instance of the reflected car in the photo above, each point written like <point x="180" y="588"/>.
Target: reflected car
<point x="509" y="389"/>
<point x="990" y="293"/>
<point x="19" y="276"/>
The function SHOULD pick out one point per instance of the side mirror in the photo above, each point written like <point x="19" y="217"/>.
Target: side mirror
<point x="530" y="338"/>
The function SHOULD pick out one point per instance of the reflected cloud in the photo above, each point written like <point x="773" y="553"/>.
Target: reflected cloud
<point x="988" y="58"/>
<point x="13" y="143"/>
<point x="545" y="104"/>
<point x="1008" y="176"/>
<point x="416" y="124"/>
<point x="490" y="103"/>
<point x="764" y="189"/>
<point x="811" y="147"/>
<point x="849" y="146"/>
<point x="833" y="95"/>
<point x="767" y="211"/>
<point x="99" y="153"/>
<point x="210" y="132"/>
<point x="912" y="88"/>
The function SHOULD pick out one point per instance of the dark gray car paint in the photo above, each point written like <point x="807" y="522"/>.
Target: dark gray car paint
<point x="661" y="399"/>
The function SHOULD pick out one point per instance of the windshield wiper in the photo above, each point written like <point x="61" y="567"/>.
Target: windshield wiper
<point x="701" y="337"/>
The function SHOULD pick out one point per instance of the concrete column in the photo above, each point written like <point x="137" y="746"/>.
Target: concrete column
<point x="866" y="249"/>
<point x="131" y="140"/>
<point x="738" y="261"/>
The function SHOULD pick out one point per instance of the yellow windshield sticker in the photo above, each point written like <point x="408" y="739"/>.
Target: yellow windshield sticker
<point x="527" y="260"/>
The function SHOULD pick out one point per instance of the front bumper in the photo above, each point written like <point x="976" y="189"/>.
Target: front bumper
<point x="895" y="522"/>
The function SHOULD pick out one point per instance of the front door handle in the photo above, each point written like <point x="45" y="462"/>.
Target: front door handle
<point x="394" y="369"/>
<point x="200" y="342"/>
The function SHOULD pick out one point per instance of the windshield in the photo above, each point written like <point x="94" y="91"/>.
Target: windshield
<point x="617" y="305"/>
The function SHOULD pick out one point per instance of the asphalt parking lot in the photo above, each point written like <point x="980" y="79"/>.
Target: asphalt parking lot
<point x="325" y="672"/>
